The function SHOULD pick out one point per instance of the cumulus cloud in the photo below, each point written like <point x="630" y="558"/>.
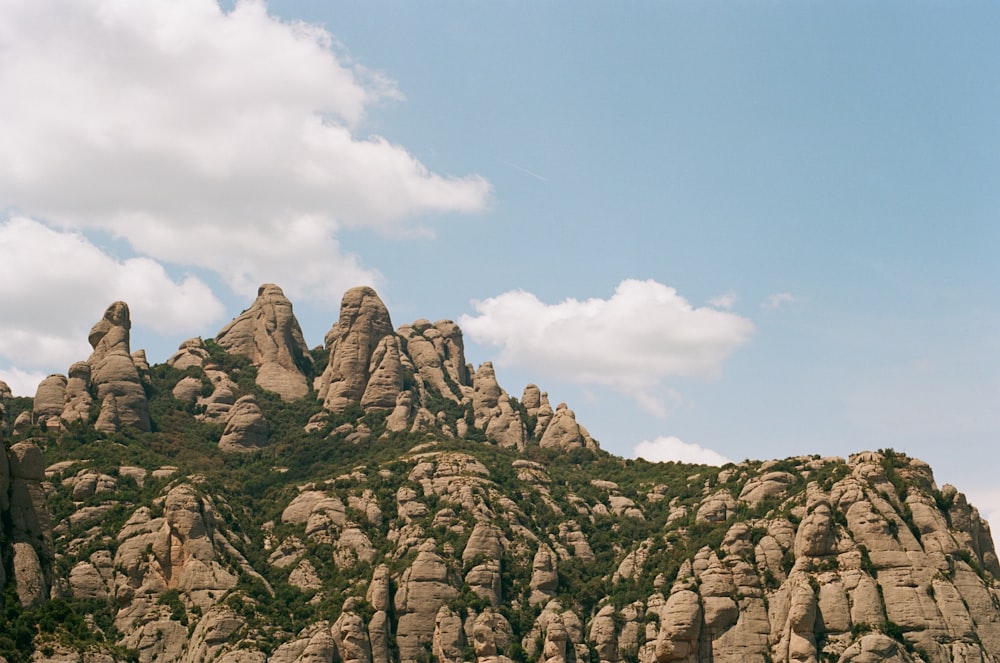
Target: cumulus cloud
<point x="664" y="449"/>
<point x="228" y="140"/>
<point x="56" y="284"/>
<point x="643" y="334"/>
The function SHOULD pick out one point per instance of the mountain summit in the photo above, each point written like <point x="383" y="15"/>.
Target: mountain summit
<point x="378" y="499"/>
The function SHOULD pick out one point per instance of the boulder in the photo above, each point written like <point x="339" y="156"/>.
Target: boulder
<point x="29" y="579"/>
<point x="563" y="432"/>
<point x="816" y="536"/>
<point x="246" y="428"/>
<point x="27" y="461"/>
<point x="449" y="636"/>
<point x="484" y="543"/>
<point x="191" y="352"/>
<point x="544" y="575"/>
<point x="603" y="633"/>
<point x="78" y="398"/>
<point x="50" y="398"/>
<point x="187" y="389"/>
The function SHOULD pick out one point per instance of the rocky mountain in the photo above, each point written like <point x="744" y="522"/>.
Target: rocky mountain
<point x="378" y="499"/>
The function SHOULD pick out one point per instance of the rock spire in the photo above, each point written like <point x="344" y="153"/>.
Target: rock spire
<point x="113" y="372"/>
<point x="362" y="333"/>
<point x="268" y="334"/>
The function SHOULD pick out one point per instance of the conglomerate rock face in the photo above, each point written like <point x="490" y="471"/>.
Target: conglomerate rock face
<point x="416" y="512"/>
<point x="414" y="371"/>
<point x="354" y="341"/>
<point x="113" y="372"/>
<point x="268" y="334"/>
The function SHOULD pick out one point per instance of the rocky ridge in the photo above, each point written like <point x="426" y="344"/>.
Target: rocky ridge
<point x="403" y="507"/>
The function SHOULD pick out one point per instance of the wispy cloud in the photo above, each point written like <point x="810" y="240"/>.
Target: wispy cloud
<point x="725" y="301"/>
<point x="778" y="300"/>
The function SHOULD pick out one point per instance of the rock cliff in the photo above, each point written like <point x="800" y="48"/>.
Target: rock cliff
<point x="413" y="511"/>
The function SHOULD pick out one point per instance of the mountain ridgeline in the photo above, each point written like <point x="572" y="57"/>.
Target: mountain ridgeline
<point x="379" y="500"/>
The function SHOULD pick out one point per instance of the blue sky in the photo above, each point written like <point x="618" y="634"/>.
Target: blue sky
<point x="760" y="228"/>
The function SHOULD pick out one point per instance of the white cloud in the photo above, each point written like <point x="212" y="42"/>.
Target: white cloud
<point x="664" y="449"/>
<point x="55" y="285"/>
<point x="227" y="140"/>
<point x="645" y="333"/>
<point x="726" y="301"/>
<point x="777" y="300"/>
<point x="21" y="383"/>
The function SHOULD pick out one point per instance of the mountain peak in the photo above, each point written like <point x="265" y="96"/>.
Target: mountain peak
<point x="269" y="335"/>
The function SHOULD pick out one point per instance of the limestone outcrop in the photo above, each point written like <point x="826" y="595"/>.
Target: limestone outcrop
<point x="268" y="334"/>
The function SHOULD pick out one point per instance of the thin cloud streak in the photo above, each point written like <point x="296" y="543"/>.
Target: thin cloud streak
<point x="525" y="170"/>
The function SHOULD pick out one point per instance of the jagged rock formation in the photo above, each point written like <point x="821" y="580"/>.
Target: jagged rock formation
<point x="268" y="335"/>
<point x="419" y="375"/>
<point x="113" y="372"/>
<point x="448" y="522"/>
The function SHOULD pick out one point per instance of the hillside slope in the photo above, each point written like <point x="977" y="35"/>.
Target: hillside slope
<point x="378" y="499"/>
